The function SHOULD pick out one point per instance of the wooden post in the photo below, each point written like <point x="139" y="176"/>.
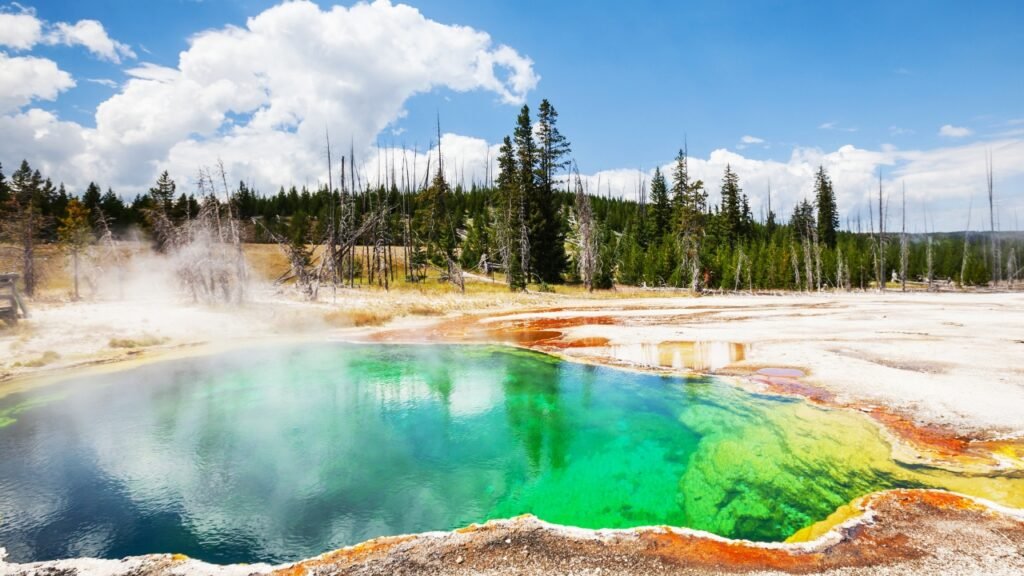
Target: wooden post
<point x="11" y="302"/>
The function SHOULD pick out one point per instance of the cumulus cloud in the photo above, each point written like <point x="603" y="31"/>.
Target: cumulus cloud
<point x="20" y="31"/>
<point x="23" y="30"/>
<point x="939" y="182"/>
<point x="261" y="96"/>
<point x="27" y="78"/>
<point x="91" y="35"/>
<point x="950" y="131"/>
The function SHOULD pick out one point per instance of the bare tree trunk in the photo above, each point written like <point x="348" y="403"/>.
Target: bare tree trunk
<point x="808" y="263"/>
<point x="1011" y="267"/>
<point x="794" y="259"/>
<point x="904" y="248"/>
<point x="739" y="271"/>
<point x="880" y="261"/>
<point x="996" y="256"/>
<point x="967" y="231"/>
<point x="931" y="265"/>
<point x="585" y="236"/>
<point x="74" y="260"/>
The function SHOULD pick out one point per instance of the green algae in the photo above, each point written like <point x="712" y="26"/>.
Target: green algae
<point x="8" y="414"/>
<point x="285" y="454"/>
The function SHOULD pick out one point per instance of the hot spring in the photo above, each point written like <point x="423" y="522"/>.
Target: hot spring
<point x="277" y="454"/>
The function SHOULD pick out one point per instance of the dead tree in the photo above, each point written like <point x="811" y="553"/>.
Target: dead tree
<point x="584" y="238"/>
<point x="904" y="248"/>
<point x="235" y="236"/>
<point x="880" y="259"/>
<point x="206" y="254"/>
<point x="842" y="271"/>
<point x="741" y="260"/>
<point x="929" y="256"/>
<point x="817" y="257"/>
<point x="794" y="260"/>
<point x="967" y="231"/>
<point x="996" y="257"/>
<point x="111" y="254"/>
<point x="455" y="275"/>
<point x="21" y="225"/>
<point x="1011" y="267"/>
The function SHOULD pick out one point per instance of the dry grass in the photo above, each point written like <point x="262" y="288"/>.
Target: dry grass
<point x="424" y="310"/>
<point x="358" y="318"/>
<point x="267" y="263"/>
<point x="143" y="341"/>
<point x="47" y="357"/>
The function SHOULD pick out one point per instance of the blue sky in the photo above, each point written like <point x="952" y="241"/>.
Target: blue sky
<point x="631" y="83"/>
<point x="766" y="80"/>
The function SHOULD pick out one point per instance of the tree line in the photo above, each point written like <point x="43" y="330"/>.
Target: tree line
<point x="535" y="225"/>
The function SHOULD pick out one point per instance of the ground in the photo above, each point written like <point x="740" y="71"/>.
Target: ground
<point x="943" y="373"/>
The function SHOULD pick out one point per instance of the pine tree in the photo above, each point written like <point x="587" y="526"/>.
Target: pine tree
<point x="526" y="182"/>
<point x="113" y="209"/>
<point x="691" y="204"/>
<point x="553" y="148"/>
<point x="61" y="200"/>
<point x="92" y="198"/>
<point x="163" y="193"/>
<point x="508" y="224"/>
<point x="680" y="182"/>
<point x="5" y="194"/>
<point x="547" y="243"/>
<point x="661" y="204"/>
<point x="803" y="221"/>
<point x="22" y="223"/>
<point x="732" y="209"/>
<point x="828" y="214"/>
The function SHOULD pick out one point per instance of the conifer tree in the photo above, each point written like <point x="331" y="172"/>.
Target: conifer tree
<point x="163" y="193"/>
<point x="660" y="203"/>
<point x="828" y="215"/>
<point x="526" y="183"/>
<point x="691" y="200"/>
<point x="547" y="242"/>
<point x="23" y="220"/>
<point x="680" y="181"/>
<point x="91" y="198"/>
<point x="4" y="192"/>
<point x="732" y="209"/>
<point x="508" y="224"/>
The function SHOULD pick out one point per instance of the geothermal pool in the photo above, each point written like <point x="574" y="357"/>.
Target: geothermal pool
<point x="277" y="454"/>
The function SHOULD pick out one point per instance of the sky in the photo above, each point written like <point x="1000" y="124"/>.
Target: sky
<point x="117" y="91"/>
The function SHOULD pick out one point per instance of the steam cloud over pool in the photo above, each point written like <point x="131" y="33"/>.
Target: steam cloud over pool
<point x="277" y="454"/>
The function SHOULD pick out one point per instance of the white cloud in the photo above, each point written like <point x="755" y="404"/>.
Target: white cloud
<point x="261" y="96"/>
<point x="835" y="126"/>
<point x="939" y="181"/>
<point x="102" y="82"/>
<point x="27" y="78"/>
<point x="20" y="31"/>
<point x="150" y="71"/>
<point x="91" y="35"/>
<point x="751" y="140"/>
<point x="950" y="131"/>
<point x="23" y="30"/>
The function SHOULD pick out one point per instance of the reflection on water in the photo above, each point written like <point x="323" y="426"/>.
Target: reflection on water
<point x="700" y="356"/>
<point x="279" y="454"/>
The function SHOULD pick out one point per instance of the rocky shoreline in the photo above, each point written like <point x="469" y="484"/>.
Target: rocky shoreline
<point x="893" y="532"/>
